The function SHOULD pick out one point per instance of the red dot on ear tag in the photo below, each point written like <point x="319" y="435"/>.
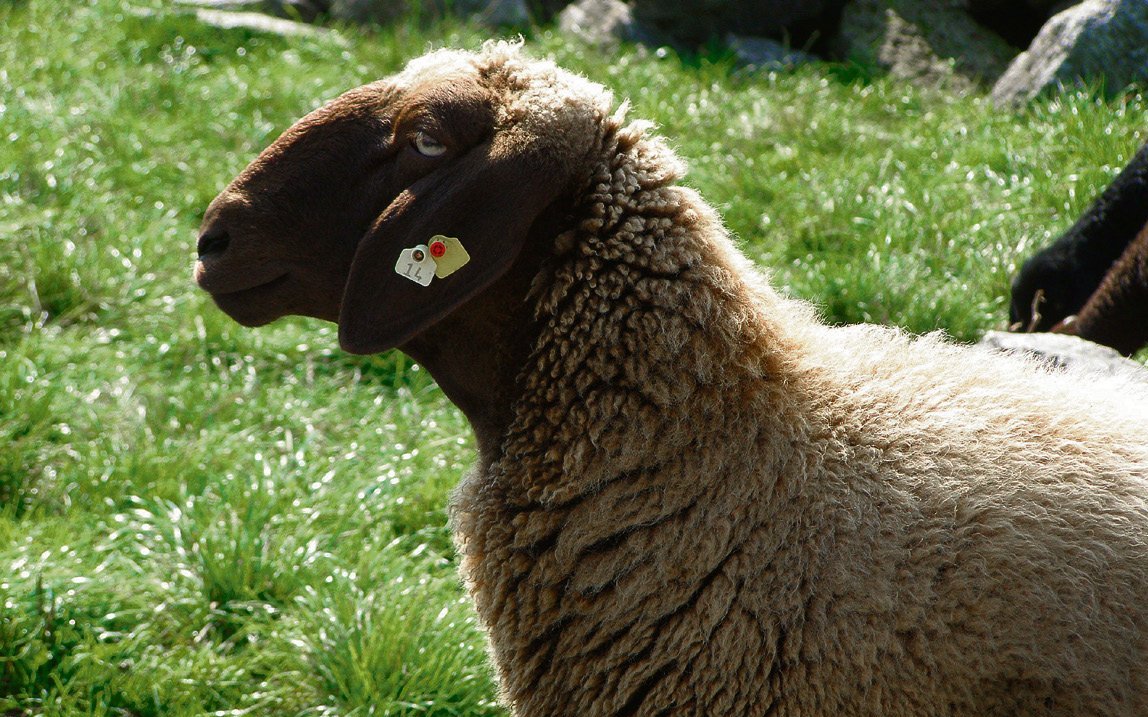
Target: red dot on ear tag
<point x="437" y="248"/>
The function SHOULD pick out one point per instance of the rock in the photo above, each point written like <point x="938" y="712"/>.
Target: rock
<point x="605" y="23"/>
<point x="761" y="53"/>
<point x="1095" y="40"/>
<point x="799" y="23"/>
<point x="304" y="10"/>
<point x="928" y="42"/>
<point x="259" y="22"/>
<point x="1066" y="352"/>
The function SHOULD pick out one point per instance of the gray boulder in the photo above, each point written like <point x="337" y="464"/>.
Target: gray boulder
<point x="258" y="22"/>
<point x="605" y="23"/>
<point x="303" y="10"/>
<point x="1095" y="40"/>
<point x="1066" y="352"/>
<point x="928" y="42"/>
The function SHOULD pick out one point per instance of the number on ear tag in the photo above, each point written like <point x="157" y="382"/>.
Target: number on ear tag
<point x="448" y="254"/>
<point x="416" y="264"/>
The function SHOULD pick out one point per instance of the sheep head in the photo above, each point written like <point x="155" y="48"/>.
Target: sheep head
<point x="471" y="146"/>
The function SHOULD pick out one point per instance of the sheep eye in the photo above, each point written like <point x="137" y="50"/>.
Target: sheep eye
<point x="428" y="146"/>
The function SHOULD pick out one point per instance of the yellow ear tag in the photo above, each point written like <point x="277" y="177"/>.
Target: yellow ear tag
<point x="448" y="254"/>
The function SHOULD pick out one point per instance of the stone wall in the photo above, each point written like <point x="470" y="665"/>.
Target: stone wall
<point x="1020" y="48"/>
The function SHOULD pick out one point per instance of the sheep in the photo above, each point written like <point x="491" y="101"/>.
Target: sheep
<point x="1054" y="283"/>
<point x="691" y="496"/>
<point x="1116" y="314"/>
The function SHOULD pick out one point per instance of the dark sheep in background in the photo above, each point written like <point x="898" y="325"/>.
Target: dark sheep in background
<point x="1117" y="313"/>
<point x="1059" y="279"/>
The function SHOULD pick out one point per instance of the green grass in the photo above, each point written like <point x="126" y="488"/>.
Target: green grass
<point x="197" y="518"/>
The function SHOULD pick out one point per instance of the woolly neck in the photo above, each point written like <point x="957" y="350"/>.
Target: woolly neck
<point x="622" y="308"/>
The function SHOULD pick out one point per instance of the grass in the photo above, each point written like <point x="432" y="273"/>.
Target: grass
<point x="200" y="519"/>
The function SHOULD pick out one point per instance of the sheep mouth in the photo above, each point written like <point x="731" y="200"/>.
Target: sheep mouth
<point x="254" y="305"/>
<point x="246" y="291"/>
<point x="220" y="278"/>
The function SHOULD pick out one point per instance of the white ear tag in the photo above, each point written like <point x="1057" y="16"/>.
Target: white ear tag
<point x="416" y="264"/>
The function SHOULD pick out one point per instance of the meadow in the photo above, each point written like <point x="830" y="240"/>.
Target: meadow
<point x="202" y="519"/>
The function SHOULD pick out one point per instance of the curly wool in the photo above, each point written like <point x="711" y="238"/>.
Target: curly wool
<point x="708" y="503"/>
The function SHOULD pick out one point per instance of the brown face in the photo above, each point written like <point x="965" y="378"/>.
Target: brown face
<point x="470" y="147"/>
<point x="282" y="237"/>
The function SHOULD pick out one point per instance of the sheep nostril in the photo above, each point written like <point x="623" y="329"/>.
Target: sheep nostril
<point x="212" y="241"/>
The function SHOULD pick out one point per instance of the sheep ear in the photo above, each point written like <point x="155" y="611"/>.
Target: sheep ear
<point x="488" y="201"/>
